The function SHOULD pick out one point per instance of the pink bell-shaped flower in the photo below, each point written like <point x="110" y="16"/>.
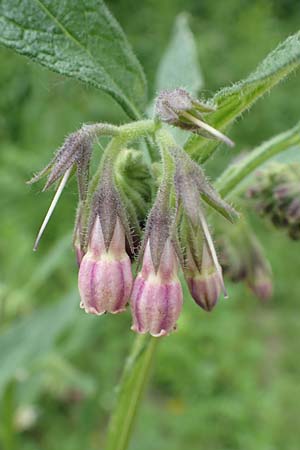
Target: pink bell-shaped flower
<point x="105" y="277"/>
<point x="205" y="285"/>
<point x="156" y="299"/>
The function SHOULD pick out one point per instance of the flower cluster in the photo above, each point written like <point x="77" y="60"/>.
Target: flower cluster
<point x="113" y="208"/>
<point x="276" y="195"/>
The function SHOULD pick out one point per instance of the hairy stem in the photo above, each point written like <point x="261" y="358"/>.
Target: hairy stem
<point x="130" y="391"/>
<point x="236" y="173"/>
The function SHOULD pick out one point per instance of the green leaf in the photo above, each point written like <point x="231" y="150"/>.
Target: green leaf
<point x="236" y="173"/>
<point x="179" y="66"/>
<point x="231" y="102"/>
<point x="80" y="39"/>
<point x="30" y="338"/>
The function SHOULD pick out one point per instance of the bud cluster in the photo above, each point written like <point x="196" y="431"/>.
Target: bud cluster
<point x="243" y="259"/>
<point x="276" y="195"/>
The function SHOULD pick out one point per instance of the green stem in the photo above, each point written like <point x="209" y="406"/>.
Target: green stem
<point x="7" y="432"/>
<point x="236" y="173"/>
<point x="130" y="391"/>
<point x="126" y="133"/>
<point x="166" y="142"/>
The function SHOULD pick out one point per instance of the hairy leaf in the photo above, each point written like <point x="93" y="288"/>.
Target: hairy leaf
<point x="179" y="66"/>
<point x="80" y="39"/>
<point x="232" y="101"/>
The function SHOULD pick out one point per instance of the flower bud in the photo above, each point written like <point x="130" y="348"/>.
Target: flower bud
<point x="177" y="107"/>
<point x="276" y="195"/>
<point x="261" y="284"/>
<point x="105" y="278"/>
<point x="205" y="285"/>
<point x="156" y="299"/>
<point x="243" y="259"/>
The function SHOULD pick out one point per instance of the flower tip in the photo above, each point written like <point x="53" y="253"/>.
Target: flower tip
<point x="229" y="142"/>
<point x="91" y="310"/>
<point x="263" y="290"/>
<point x="160" y="334"/>
<point x="118" y="311"/>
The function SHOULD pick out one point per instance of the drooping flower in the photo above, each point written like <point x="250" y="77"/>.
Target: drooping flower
<point x="260" y="282"/>
<point x="105" y="277"/>
<point x="205" y="284"/>
<point x="156" y="299"/>
<point x="201" y="267"/>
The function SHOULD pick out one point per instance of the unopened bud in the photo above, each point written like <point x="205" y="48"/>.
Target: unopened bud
<point x="105" y="278"/>
<point x="177" y="107"/>
<point x="205" y="285"/>
<point x="261" y="284"/>
<point x="156" y="299"/>
<point x="243" y="259"/>
<point x="276" y="195"/>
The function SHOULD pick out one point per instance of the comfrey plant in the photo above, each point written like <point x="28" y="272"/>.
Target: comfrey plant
<point x="105" y="223"/>
<point x="142" y="217"/>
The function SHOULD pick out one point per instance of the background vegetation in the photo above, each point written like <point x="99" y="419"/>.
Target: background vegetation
<point x="227" y="380"/>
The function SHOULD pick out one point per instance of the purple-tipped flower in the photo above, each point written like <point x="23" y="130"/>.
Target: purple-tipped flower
<point x="206" y="284"/>
<point x="105" y="278"/>
<point x="156" y="299"/>
<point x="261" y="284"/>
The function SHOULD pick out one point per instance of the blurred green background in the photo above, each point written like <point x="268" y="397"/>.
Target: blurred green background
<point x="225" y="381"/>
